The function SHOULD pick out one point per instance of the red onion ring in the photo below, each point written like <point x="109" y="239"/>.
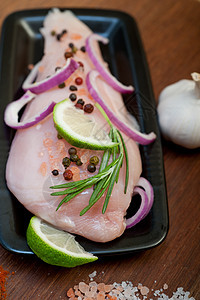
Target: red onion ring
<point x="145" y="190"/>
<point x="12" y="110"/>
<point x="141" y="138"/>
<point x="57" y="78"/>
<point x="110" y="79"/>
<point x="141" y="213"/>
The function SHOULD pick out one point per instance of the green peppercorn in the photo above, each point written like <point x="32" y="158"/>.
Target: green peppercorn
<point x="79" y="163"/>
<point x="66" y="162"/>
<point x="74" y="157"/>
<point x="94" y="160"/>
<point x="72" y="150"/>
<point x="91" y="168"/>
<point x="61" y="86"/>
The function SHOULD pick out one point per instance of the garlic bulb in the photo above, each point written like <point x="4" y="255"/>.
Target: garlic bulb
<point x="179" y="112"/>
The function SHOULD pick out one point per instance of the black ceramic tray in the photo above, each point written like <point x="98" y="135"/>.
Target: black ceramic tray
<point x="22" y="44"/>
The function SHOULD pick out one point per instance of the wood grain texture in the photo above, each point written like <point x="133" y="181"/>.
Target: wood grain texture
<point x="170" y="31"/>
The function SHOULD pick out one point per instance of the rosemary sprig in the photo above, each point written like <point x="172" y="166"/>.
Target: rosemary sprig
<point x="105" y="180"/>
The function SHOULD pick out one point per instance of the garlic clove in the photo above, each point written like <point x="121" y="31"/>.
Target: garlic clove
<point x="179" y="112"/>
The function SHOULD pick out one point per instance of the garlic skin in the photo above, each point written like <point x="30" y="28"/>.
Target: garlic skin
<point x="179" y="112"/>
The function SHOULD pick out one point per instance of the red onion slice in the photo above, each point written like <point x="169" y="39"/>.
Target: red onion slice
<point x="145" y="190"/>
<point x="12" y="110"/>
<point x="57" y="78"/>
<point x="100" y="66"/>
<point x="141" y="138"/>
<point x="142" y="211"/>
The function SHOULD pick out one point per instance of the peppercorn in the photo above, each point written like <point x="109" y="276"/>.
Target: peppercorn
<point x="68" y="175"/>
<point x="73" y="88"/>
<point x="71" y="45"/>
<point x="58" y="36"/>
<point x="72" y="150"/>
<point x="53" y="32"/>
<point x="80" y="101"/>
<point x="83" y="49"/>
<point x="74" y="157"/>
<point x="66" y="162"/>
<point x="64" y="31"/>
<point x="79" y="162"/>
<point x="94" y="160"/>
<point x="81" y="64"/>
<point x="55" y="172"/>
<point x="57" y="68"/>
<point x="68" y="54"/>
<point x="62" y="85"/>
<point x="78" y="105"/>
<point x="72" y="97"/>
<point x="78" y="80"/>
<point x="91" y="168"/>
<point x="88" y="108"/>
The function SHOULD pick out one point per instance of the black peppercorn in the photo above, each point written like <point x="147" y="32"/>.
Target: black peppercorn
<point x="72" y="150"/>
<point x="72" y="97"/>
<point x="55" y="172"/>
<point x="91" y="168"/>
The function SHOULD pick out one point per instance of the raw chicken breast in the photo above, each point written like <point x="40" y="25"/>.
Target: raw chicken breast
<point x="36" y="151"/>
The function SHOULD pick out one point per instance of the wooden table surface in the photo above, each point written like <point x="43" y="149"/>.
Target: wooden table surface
<point x="170" y="31"/>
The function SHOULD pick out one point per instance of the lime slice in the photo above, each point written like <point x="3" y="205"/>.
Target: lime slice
<point x="78" y="129"/>
<point x="56" y="247"/>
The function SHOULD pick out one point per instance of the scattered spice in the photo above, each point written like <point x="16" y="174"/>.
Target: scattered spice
<point x="81" y="64"/>
<point x="60" y="35"/>
<point x="3" y="278"/>
<point x="94" y="160"/>
<point x="72" y="150"/>
<point x="91" y="168"/>
<point x="83" y="49"/>
<point x="55" y="172"/>
<point x="88" y="108"/>
<point x="78" y="105"/>
<point x="68" y="54"/>
<point x="78" y="80"/>
<point x="62" y="85"/>
<point x="66" y="162"/>
<point x="73" y="88"/>
<point x="74" y="157"/>
<point x="72" y="97"/>
<point x="68" y="175"/>
<point x="80" y="101"/>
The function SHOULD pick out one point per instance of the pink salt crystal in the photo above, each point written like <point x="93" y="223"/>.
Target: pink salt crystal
<point x="165" y="286"/>
<point x="83" y="287"/>
<point x="101" y="287"/>
<point x="144" y="290"/>
<point x="108" y="288"/>
<point x="139" y="286"/>
<point x="101" y="296"/>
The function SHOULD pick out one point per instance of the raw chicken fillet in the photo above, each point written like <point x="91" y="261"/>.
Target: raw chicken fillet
<point x="36" y="151"/>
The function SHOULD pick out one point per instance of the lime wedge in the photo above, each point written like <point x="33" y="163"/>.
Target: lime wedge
<point x="56" y="247"/>
<point x="78" y="129"/>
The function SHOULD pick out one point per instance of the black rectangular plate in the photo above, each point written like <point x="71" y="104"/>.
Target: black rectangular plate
<point x="22" y="44"/>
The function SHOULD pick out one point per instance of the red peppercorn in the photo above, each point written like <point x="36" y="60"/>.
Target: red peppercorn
<point x="79" y="105"/>
<point x="80" y="64"/>
<point x="68" y="175"/>
<point x="88" y="108"/>
<point x="78" y="80"/>
<point x="68" y="54"/>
